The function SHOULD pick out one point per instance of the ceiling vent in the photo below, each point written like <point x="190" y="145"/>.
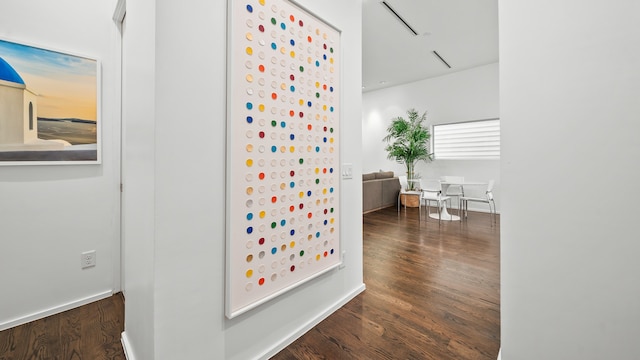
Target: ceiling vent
<point x="399" y="18"/>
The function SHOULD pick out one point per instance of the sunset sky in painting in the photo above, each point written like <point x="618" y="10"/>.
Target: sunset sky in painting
<point x="65" y="84"/>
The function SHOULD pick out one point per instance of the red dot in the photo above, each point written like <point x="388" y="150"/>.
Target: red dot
<point x="324" y="171"/>
<point x="292" y="208"/>
<point x="309" y="38"/>
<point x="261" y="28"/>
<point x="292" y="173"/>
<point x="309" y="215"/>
<point x="274" y="199"/>
<point x="293" y="267"/>
<point x="300" y="23"/>
<point x="274" y="96"/>
<point x="292" y="113"/>
<point x="292" y="77"/>
<point x="325" y="211"/>
<point x="324" y="46"/>
<point x="261" y="281"/>
<point x="325" y="128"/>
<point x="309" y="127"/>
<point x="261" y="134"/>
<point x="261" y="241"/>
<point x="324" y="86"/>
<point x="261" y="68"/>
<point x="261" y="176"/>
<point x="301" y="114"/>
<point x="301" y="205"/>
<point x="325" y="254"/>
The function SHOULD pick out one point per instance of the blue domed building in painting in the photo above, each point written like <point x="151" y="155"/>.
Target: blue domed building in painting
<point x="19" y="114"/>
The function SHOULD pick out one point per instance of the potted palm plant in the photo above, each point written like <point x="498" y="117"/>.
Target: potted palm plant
<point x="408" y="142"/>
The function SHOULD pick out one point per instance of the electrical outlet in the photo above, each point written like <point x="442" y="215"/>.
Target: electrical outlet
<point x="88" y="259"/>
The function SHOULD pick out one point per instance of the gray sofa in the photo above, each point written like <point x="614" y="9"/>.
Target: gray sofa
<point x="379" y="190"/>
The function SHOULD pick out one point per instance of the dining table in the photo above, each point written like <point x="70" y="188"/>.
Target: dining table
<point x="444" y="214"/>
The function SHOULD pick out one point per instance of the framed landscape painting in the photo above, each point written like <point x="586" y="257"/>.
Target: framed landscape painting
<point x="49" y="107"/>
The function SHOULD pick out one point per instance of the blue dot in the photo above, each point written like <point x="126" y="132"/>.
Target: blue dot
<point x="292" y="88"/>
<point x="309" y="193"/>
<point x="249" y="216"/>
<point x="325" y="222"/>
<point x="317" y="63"/>
<point x="292" y="136"/>
<point x="292" y="42"/>
<point x="331" y="88"/>
<point x="309" y="103"/>
<point x="318" y="234"/>
<point x="249" y="230"/>
<point x="331" y="109"/>
<point x="331" y="170"/>
<point x="331" y="251"/>
<point x="283" y="26"/>
<point x="249" y="119"/>
<point x="283" y="222"/>
<point x="324" y="56"/>
<point x="292" y="184"/>
<point x="324" y="139"/>
<point x="330" y="190"/>
<point x="292" y="232"/>
<point x="249" y="106"/>
<point x="317" y="148"/>
<point x="274" y="250"/>
<point x="274" y="148"/>
<point x="250" y="8"/>
<point x="283" y="124"/>
<point x="274" y="46"/>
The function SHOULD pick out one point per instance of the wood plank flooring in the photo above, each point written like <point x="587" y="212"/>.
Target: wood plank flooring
<point x="89" y="332"/>
<point x="433" y="292"/>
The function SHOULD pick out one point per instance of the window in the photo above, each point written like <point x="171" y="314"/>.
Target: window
<point x="30" y="116"/>
<point x="467" y="140"/>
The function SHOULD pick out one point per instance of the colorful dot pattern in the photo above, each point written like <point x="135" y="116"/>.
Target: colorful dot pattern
<point x="284" y="149"/>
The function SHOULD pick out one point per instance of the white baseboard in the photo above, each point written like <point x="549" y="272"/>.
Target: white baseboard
<point x="54" y="310"/>
<point x="276" y="348"/>
<point x="126" y="346"/>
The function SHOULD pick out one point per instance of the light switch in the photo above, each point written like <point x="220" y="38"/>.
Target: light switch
<point x="347" y="171"/>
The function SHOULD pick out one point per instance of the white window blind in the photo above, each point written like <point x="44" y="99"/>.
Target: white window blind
<point x="467" y="140"/>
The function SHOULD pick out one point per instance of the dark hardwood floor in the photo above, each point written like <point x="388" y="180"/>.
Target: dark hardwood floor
<point x="433" y="292"/>
<point x="89" y="332"/>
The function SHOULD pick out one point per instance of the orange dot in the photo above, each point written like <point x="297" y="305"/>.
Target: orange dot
<point x="292" y="18"/>
<point x="324" y="171"/>
<point x="292" y="113"/>
<point x="292" y="208"/>
<point x="309" y="38"/>
<point x="309" y="127"/>
<point x="274" y="199"/>
<point x="324" y="86"/>
<point x="261" y="68"/>
<point x="309" y="215"/>
<point x="274" y="96"/>
<point x="325" y="254"/>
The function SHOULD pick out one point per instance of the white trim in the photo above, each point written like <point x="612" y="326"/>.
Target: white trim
<point x="500" y="354"/>
<point x="276" y="348"/>
<point x="54" y="310"/>
<point x="126" y="346"/>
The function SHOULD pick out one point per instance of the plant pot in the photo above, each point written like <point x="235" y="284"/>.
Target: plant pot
<point x="410" y="200"/>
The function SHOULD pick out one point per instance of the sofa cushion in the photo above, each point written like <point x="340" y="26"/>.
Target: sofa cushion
<point x="384" y="175"/>
<point x="370" y="176"/>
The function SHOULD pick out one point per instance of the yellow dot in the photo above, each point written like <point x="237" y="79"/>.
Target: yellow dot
<point x="249" y="273"/>
<point x="249" y="162"/>
<point x="250" y="78"/>
<point x="262" y="214"/>
<point x="317" y="170"/>
<point x="331" y="60"/>
<point x="249" y="190"/>
<point x="249" y="147"/>
<point x="301" y="102"/>
<point x="324" y="191"/>
<point x="301" y="194"/>
<point x="249" y="36"/>
<point x="292" y="244"/>
<point x="261" y="107"/>
<point x="261" y="2"/>
<point x="292" y="54"/>
<point x="317" y="84"/>
<point x="318" y="257"/>
<point x="292" y="149"/>
<point x="331" y="140"/>
<point x="332" y="220"/>
<point x="249" y="51"/>
<point x="324" y="107"/>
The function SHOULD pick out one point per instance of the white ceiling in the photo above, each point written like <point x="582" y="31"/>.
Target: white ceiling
<point x="463" y="32"/>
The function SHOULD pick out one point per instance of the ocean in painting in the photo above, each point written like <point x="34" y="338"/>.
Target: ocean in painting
<point x="75" y="131"/>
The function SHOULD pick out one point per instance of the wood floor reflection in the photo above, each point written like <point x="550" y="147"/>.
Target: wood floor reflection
<point x="433" y="292"/>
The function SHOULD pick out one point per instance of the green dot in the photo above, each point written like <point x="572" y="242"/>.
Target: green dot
<point x="332" y="210"/>
<point x="273" y="225"/>
<point x="274" y="123"/>
<point x="331" y="50"/>
<point x="317" y="95"/>
<point x="331" y="130"/>
<point x="301" y="161"/>
<point x="317" y="181"/>
<point x="301" y="68"/>
<point x="273" y="21"/>
<point x="301" y="252"/>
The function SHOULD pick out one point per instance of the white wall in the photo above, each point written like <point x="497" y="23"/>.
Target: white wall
<point x="570" y="85"/>
<point x="175" y="228"/>
<point x="460" y="96"/>
<point x="51" y="214"/>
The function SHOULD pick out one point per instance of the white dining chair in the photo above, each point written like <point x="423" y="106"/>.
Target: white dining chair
<point x="432" y="192"/>
<point x="487" y="199"/>
<point x="456" y="190"/>
<point x="404" y="185"/>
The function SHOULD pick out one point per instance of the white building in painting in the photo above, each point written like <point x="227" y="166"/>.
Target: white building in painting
<point x="19" y="114"/>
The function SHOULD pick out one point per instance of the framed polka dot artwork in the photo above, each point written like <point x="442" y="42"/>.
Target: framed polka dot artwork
<point x="283" y="152"/>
